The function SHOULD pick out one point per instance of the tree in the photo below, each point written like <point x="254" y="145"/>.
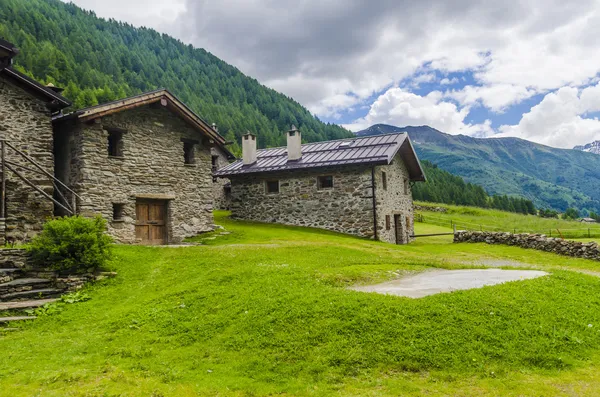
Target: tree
<point x="571" y="213"/>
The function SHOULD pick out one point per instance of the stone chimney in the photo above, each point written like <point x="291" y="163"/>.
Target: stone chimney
<point x="294" y="144"/>
<point x="214" y="127"/>
<point x="249" y="148"/>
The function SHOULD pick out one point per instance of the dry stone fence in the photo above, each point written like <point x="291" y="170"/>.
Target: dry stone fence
<point x="534" y="241"/>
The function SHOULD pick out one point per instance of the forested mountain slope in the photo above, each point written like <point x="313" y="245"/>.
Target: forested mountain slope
<point x="444" y="187"/>
<point x="100" y="60"/>
<point x="552" y="178"/>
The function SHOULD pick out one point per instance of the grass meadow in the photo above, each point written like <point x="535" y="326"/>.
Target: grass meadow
<point x="265" y="310"/>
<point x="472" y="218"/>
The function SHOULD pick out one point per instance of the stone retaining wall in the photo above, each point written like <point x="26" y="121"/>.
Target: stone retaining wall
<point x="534" y="241"/>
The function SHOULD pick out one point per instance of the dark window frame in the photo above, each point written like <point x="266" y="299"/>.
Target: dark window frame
<point x="118" y="212"/>
<point x="115" y="143"/>
<point x="329" y="184"/>
<point x="269" y="185"/>
<point x="388" y="222"/>
<point x="189" y="153"/>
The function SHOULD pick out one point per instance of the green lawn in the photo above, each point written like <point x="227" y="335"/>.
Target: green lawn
<point x="265" y="310"/>
<point x="472" y="218"/>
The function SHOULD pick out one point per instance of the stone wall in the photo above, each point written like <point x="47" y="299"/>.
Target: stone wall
<point x="221" y="186"/>
<point x="394" y="202"/>
<point x="25" y="122"/>
<point x="346" y="208"/>
<point x="152" y="166"/>
<point x="534" y="241"/>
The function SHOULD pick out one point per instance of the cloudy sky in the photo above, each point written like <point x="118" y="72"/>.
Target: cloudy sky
<point x="527" y="68"/>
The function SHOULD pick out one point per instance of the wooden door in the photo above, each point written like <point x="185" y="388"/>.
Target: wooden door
<point x="151" y="221"/>
<point x="399" y="229"/>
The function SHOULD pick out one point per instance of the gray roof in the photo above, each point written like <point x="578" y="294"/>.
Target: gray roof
<point x="371" y="150"/>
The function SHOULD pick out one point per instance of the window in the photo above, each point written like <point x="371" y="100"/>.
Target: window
<point x="215" y="163"/>
<point x="325" y="182"/>
<point x="227" y="191"/>
<point x="384" y="180"/>
<point x="118" y="211"/>
<point x="387" y="222"/>
<point x="115" y="143"/>
<point x="188" y="153"/>
<point x="272" y="187"/>
<point x="406" y="186"/>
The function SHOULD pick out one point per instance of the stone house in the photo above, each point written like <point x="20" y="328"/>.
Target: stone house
<point x="359" y="186"/>
<point x="144" y="163"/>
<point x="26" y="107"/>
<point x="221" y="186"/>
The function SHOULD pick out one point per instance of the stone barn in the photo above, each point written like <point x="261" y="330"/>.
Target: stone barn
<point x="144" y="163"/>
<point x="28" y="188"/>
<point x="359" y="186"/>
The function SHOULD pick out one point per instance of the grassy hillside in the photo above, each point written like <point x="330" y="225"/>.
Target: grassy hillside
<point x="550" y="177"/>
<point x="472" y="218"/>
<point x="98" y="60"/>
<point x="265" y="310"/>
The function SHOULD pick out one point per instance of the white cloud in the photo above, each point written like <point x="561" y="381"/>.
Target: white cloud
<point x="447" y="81"/>
<point x="399" y="107"/>
<point x="557" y="120"/>
<point x="496" y="97"/>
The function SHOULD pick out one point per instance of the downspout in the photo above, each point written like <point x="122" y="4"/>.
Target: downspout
<point x="374" y="203"/>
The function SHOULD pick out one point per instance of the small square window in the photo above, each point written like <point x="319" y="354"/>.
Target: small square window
<point x="384" y="180"/>
<point x="115" y="144"/>
<point x="387" y="222"/>
<point x="118" y="210"/>
<point x="325" y="182"/>
<point x="188" y="153"/>
<point x="272" y="187"/>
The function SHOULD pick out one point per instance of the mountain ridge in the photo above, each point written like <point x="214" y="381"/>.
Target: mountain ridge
<point x="552" y="178"/>
<point x="593" y="147"/>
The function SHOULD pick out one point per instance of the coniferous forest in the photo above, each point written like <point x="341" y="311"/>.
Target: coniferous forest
<point x="444" y="187"/>
<point x="98" y="60"/>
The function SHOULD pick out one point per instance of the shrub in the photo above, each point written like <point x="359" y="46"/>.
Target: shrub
<point x="73" y="244"/>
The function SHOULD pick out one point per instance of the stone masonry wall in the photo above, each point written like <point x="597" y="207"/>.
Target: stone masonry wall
<point x="152" y="164"/>
<point x="534" y="241"/>
<point x="345" y="208"/>
<point x="25" y="122"/>
<point x="394" y="201"/>
<point x="222" y="201"/>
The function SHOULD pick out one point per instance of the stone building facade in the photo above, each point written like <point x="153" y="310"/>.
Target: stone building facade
<point x="26" y="107"/>
<point x="330" y="186"/>
<point x="142" y="166"/>
<point x="345" y="208"/>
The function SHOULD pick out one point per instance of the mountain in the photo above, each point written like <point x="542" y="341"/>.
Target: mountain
<point x="550" y="177"/>
<point x="444" y="187"/>
<point x="100" y="60"/>
<point x="593" y="147"/>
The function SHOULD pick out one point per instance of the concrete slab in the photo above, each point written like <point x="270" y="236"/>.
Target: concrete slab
<point x="437" y="281"/>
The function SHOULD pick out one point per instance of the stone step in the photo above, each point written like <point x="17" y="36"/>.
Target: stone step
<point x="25" y="304"/>
<point x="16" y="318"/>
<point x="23" y="284"/>
<point x="32" y="294"/>
<point x="9" y="274"/>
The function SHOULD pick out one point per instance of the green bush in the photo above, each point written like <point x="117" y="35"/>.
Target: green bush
<point x="73" y="244"/>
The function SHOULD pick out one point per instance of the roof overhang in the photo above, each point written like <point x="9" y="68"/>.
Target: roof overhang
<point x="55" y="101"/>
<point x="298" y="166"/>
<point x="411" y="160"/>
<point x="162" y="97"/>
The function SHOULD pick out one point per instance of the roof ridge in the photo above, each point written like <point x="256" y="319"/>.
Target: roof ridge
<point x="337" y="140"/>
